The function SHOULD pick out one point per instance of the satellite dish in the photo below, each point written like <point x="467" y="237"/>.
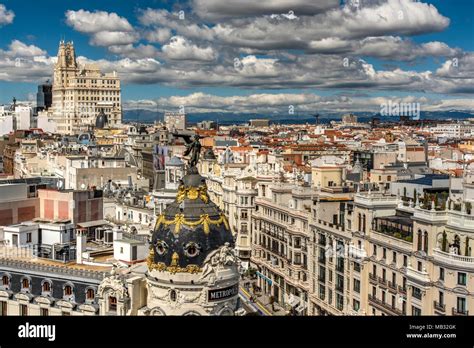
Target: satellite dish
<point x="59" y="185"/>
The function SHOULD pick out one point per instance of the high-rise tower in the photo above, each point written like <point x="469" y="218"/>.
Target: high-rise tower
<point x="81" y="92"/>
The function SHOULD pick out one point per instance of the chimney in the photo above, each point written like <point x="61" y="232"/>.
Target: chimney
<point x="81" y="241"/>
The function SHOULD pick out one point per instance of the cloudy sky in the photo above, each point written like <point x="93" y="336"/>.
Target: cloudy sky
<point x="267" y="56"/>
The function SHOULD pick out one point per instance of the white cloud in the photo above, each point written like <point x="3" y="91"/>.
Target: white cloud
<point x="218" y="9"/>
<point x="20" y="49"/>
<point x="106" y="29"/>
<point x="6" y="16"/>
<point x="94" y="22"/>
<point x="181" y="49"/>
<point x="159" y="35"/>
<point x="303" y="103"/>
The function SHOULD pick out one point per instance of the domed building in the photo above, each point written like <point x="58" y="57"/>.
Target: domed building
<point x="191" y="268"/>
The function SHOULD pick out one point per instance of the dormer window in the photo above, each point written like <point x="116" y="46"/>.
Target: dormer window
<point x="5" y="280"/>
<point x="46" y="286"/>
<point x="25" y="284"/>
<point x="67" y="290"/>
<point x="90" y="294"/>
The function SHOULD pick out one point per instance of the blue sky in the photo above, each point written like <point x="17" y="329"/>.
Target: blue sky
<point x="192" y="60"/>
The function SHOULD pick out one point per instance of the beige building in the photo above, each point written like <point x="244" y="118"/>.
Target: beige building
<point x="328" y="253"/>
<point x="327" y="176"/>
<point x="81" y="92"/>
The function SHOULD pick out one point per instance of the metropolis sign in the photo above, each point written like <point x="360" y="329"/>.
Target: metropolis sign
<point x="222" y="294"/>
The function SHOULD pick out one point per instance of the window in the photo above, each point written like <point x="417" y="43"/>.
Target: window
<point x="384" y="253"/>
<point x="420" y="266"/>
<point x="112" y="303"/>
<point x="461" y="278"/>
<point x="44" y="312"/>
<point x="23" y="310"/>
<point x="394" y="257"/>
<point x="416" y="293"/>
<point x="25" y="283"/>
<point x="375" y="251"/>
<point x="419" y="244"/>
<point x="46" y="286"/>
<point x="121" y="250"/>
<point x="356" y="267"/>
<point x="3" y="308"/>
<point x="356" y="305"/>
<point x="68" y="290"/>
<point x="405" y="260"/>
<point x="425" y="244"/>
<point x="90" y="294"/>
<point x="339" y="302"/>
<point x="441" y="273"/>
<point x="441" y="298"/>
<point x="5" y="280"/>
<point x="28" y="237"/>
<point x="415" y="311"/>
<point x="461" y="305"/>
<point x="322" y="292"/>
<point x="357" y="285"/>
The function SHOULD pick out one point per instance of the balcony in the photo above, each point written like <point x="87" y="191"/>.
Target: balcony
<point x="372" y="278"/>
<point x="466" y="262"/>
<point x="441" y="307"/>
<point x="460" y="312"/>
<point x="382" y="281"/>
<point x="400" y="227"/>
<point x="392" y="286"/>
<point x="384" y="305"/>
<point x="417" y="277"/>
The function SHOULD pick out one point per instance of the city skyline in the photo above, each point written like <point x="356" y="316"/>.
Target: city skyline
<point x="269" y="58"/>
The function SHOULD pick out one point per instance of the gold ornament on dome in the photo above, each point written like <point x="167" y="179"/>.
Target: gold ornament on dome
<point x="204" y="220"/>
<point x="173" y="267"/>
<point x="192" y="193"/>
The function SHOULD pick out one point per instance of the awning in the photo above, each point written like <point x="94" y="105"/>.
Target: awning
<point x="93" y="223"/>
<point x="268" y="280"/>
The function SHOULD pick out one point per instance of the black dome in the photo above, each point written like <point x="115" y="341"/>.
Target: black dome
<point x="189" y="229"/>
<point x="101" y="120"/>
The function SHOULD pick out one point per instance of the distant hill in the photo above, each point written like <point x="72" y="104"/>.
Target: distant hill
<point x="147" y="116"/>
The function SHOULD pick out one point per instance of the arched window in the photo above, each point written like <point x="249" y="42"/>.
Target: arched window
<point x="90" y="294"/>
<point x="419" y="240"/>
<point x="5" y="280"/>
<point x="112" y="303"/>
<point x="46" y="286"/>
<point x="68" y="290"/>
<point x="360" y="222"/>
<point x="425" y="244"/>
<point x="25" y="283"/>
<point x="363" y="223"/>
<point x="389" y="178"/>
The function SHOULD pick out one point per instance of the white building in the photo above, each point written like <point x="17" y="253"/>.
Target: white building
<point x="175" y="121"/>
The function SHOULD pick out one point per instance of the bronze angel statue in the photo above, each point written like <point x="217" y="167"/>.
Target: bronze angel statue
<point x="193" y="148"/>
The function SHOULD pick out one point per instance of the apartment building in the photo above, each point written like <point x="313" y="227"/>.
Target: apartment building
<point x="364" y="253"/>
